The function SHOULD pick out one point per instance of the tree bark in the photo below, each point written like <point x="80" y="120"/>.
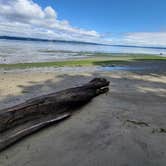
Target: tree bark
<point x="26" y="118"/>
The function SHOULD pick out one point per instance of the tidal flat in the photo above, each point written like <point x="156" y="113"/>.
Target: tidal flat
<point x="126" y="125"/>
<point x="91" y="60"/>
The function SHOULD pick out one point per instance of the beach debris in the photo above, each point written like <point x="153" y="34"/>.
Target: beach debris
<point x="140" y="123"/>
<point x="159" y="130"/>
<point x="26" y="118"/>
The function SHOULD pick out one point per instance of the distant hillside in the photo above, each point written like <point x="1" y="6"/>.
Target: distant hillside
<point x="75" y="42"/>
<point x="45" y="40"/>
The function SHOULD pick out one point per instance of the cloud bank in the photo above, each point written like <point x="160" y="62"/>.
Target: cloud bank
<point x="26" y="18"/>
<point x="144" y="39"/>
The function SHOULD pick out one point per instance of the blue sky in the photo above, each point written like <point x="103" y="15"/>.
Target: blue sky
<point x="130" y="22"/>
<point x="115" y="16"/>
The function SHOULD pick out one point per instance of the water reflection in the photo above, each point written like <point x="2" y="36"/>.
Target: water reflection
<point x="125" y="68"/>
<point x="30" y="51"/>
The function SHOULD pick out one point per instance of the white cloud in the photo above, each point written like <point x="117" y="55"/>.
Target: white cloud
<point x="50" y="12"/>
<point x="149" y="39"/>
<point x="26" y="18"/>
<point x="145" y="38"/>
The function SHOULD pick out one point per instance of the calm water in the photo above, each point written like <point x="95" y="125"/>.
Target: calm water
<point x="30" y="51"/>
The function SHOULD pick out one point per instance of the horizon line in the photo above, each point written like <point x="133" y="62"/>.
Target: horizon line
<point x="6" y="37"/>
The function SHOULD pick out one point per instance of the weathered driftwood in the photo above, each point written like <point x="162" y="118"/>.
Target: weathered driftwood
<point x="21" y="120"/>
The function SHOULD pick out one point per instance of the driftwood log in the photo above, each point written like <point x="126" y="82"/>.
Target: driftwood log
<point x="24" y="119"/>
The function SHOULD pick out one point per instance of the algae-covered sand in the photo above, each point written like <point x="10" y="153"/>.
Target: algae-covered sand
<point x="126" y="126"/>
<point x="92" y="60"/>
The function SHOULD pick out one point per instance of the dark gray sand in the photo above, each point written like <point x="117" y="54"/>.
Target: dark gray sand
<point x="125" y="127"/>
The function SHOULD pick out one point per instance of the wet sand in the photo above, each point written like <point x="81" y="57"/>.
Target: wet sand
<point x="124" y="127"/>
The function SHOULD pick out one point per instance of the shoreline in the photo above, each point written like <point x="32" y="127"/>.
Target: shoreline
<point x="16" y="78"/>
<point x="90" y="61"/>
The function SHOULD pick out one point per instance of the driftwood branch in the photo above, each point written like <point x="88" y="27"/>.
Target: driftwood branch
<point x="24" y="119"/>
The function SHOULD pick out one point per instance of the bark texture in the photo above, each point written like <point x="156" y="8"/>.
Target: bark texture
<point x="26" y="118"/>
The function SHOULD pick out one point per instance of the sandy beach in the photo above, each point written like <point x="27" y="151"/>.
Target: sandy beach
<point x="124" y="127"/>
<point x="82" y="83"/>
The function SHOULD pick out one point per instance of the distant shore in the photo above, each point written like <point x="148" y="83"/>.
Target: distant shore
<point x="18" y="51"/>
